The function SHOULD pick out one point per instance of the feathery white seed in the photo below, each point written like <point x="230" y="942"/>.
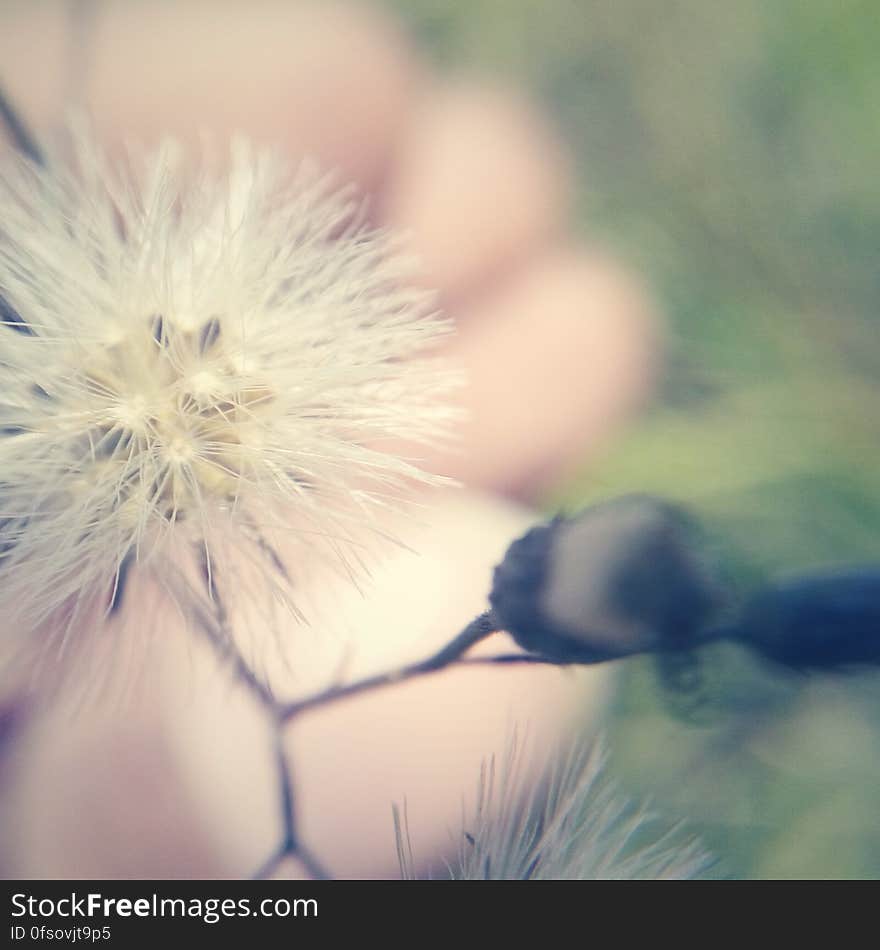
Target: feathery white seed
<point x="185" y="351"/>
<point x="571" y="823"/>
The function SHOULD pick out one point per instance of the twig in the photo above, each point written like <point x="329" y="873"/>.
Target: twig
<point x="213" y="627"/>
<point x="20" y="135"/>
<point x="213" y="624"/>
<point x="478" y="629"/>
<point x="291" y="846"/>
<point x="511" y="659"/>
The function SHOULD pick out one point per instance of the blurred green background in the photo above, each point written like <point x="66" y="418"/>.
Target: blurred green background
<point x="730" y="153"/>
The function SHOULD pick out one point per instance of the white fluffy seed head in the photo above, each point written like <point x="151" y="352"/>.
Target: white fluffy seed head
<point x="187" y="351"/>
<point x="560" y="819"/>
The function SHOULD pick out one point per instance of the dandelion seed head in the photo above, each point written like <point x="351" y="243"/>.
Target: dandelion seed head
<point x="185" y="350"/>
<point x="568" y="822"/>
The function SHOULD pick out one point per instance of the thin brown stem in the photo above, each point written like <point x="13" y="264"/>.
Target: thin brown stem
<point x="291" y="846"/>
<point x="213" y="624"/>
<point x="478" y="629"/>
<point x="509" y="659"/>
<point x="19" y="134"/>
<point x="214" y="627"/>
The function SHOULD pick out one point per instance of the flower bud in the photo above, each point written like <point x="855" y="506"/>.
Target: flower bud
<point x="622" y="577"/>
<point x="816" y="621"/>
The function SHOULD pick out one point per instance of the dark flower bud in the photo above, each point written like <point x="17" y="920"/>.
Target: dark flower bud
<point x="622" y="577"/>
<point x="818" y="621"/>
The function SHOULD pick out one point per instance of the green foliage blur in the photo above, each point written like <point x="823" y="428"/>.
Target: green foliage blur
<point x="729" y="151"/>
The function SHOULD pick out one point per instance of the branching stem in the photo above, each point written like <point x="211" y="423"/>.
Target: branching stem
<point x="213" y="624"/>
